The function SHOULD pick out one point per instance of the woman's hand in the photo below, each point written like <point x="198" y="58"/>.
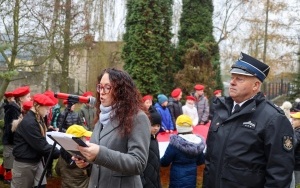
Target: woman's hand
<point x="90" y="152"/>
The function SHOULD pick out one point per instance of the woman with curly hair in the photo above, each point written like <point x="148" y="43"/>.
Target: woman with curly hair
<point x="118" y="149"/>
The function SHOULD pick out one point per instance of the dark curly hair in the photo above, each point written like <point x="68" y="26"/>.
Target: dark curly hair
<point x="127" y="100"/>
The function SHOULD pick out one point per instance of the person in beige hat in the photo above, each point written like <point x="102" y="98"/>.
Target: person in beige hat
<point x="184" y="153"/>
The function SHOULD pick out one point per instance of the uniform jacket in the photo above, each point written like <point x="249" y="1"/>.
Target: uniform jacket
<point x="121" y="159"/>
<point x="166" y="118"/>
<point x="211" y="107"/>
<point x="88" y="114"/>
<point x="184" y="156"/>
<point x="297" y="149"/>
<point x="202" y="108"/>
<point x="30" y="144"/>
<point x="250" y="148"/>
<point x="12" y="112"/>
<point x="151" y="175"/>
<point x="175" y="108"/>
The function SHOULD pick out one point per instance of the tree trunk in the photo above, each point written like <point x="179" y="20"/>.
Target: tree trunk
<point x="64" y="87"/>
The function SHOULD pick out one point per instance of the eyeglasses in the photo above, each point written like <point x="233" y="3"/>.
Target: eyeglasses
<point x="106" y="88"/>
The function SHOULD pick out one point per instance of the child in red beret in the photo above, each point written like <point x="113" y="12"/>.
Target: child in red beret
<point x="13" y="111"/>
<point x="217" y="93"/>
<point x="31" y="145"/>
<point x="174" y="104"/>
<point x="201" y="104"/>
<point x="190" y="109"/>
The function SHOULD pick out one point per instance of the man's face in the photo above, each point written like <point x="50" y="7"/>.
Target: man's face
<point x="199" y="92"/>
<point x="243" y="87"/>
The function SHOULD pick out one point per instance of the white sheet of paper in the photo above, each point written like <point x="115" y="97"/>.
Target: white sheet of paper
<point x="65" y="140"/>
<point x="51" y="142"/>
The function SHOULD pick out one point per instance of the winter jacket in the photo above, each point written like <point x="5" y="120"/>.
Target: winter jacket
<point x="191" y="111"/>
<point x="87" y="115"/>
<point x="30" y="144"/>
<point x="202" y="107"/>
<point x="184" y="156"/>
<point x="55" y="115"/>
<point x="71" y="175"/>
<point x="250" y="148"/>
<point x="175" y="108"/>
<point x="12" y="112"/>
<point x="72" y="118"/>
<point x="151" y="175"/>
<point x="121" y="159"/>
<point x="211" y="107"/>
<point x="166" y="118"/>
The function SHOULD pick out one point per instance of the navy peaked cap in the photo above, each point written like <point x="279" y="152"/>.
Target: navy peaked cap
<point x="250" y="66"/>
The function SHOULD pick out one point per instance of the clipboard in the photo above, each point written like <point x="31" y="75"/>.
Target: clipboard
<point x="68" y="142"/>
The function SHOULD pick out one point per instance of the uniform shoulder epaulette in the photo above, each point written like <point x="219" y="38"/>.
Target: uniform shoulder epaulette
<point x="275" y="107"/>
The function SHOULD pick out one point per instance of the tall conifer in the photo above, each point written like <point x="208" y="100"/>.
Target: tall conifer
<point x="196" y="41"/>
<point x="147" y="49"/>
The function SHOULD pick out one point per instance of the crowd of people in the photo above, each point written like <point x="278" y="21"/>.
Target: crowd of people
<point x="251" y="142"/>
<point x="27" y="119"/>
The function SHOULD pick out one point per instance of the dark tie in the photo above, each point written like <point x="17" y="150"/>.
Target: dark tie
<point x="237" y="108"/>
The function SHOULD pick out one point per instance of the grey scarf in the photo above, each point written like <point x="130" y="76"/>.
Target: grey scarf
<point x="105" y="114"/>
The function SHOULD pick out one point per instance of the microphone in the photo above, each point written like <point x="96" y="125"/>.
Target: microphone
<point x="76" y="98"/>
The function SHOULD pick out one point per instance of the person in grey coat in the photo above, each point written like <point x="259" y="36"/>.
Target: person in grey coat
<point x="201" y="104"/>
<point x="118" y="150"/>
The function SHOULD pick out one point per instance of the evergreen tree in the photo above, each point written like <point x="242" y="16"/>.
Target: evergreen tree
<point x="197" y="67"/>
<point x="147" y="49"/>
<point x="196" y="25"/>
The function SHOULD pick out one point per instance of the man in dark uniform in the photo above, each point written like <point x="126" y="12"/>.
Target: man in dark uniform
<point x="250" y="145"/>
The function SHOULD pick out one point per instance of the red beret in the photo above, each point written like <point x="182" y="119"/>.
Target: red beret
<point x="147" y="97"/>
<point x="8" y="94"/>
<point x="21" y="91"/>
<point x="199" y="87"/>
<point x="88" y="93"/>
<point x="217" y="92"/>
<point x="190" y="98"/>
<point x="43" y="100"/>
<point x="65" y="101"/>
<point x="176" y="92"/>
<point x="27" y="105"/>
<point x="50" y="94"/>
